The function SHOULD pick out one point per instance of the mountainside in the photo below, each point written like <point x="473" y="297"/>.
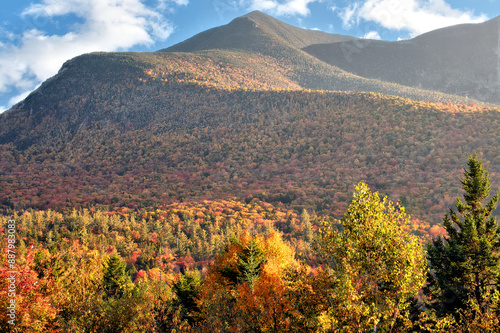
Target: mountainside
<point x="255" y="31"/>
<point x="223" y="120"/>
<point x="185" y="141"/>
<point x="259" y="33"/>
<point x="462" y="60"/>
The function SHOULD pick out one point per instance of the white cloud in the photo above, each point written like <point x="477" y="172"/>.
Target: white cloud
<point x="18" y="98"/>
<point x="166" y="4"/>
<point x="372" y="35"/>
<point x="106" y="25"/>
<point x="416" y="16"/>
<point x="283" y="7"/>
<point x="348" y="15"/>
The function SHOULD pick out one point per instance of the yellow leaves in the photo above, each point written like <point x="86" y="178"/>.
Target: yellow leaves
<point x="279" y="254"/>
<point x="371" y="255"/>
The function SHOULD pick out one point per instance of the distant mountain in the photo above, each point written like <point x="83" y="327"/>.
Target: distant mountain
<point x="462" y="60"/>
<point x="259" y="33"/>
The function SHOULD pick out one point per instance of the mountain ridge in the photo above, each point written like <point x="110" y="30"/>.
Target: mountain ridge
<point x="245" y="25"/>
<point x="462" y="59"/>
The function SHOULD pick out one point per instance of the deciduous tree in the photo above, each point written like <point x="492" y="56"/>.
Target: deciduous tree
<point x="374" y="264"/>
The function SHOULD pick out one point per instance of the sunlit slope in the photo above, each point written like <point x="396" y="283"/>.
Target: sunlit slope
<point x="258" y="33"/>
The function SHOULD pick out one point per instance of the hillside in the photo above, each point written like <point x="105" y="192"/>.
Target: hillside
<point x="262" y="35"/>
<point x="143" y="129"/>
<point x="462" y="60"/>
<point x="293" y="148"/>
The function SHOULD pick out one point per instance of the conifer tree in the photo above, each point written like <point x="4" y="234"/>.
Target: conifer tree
<point x="466" y="262"/>
<point x="250" y="261"/>
<point x="115" y="278"/>
<point x="186" y="288"/>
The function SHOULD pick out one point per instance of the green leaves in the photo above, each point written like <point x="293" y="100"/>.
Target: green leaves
<point x="250" y="261"/>
<point x="115" y="278"/>
<point x="375" y="265"/>
<point x="466" y="263"/>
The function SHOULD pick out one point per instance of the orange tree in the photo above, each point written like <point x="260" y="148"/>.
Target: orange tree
<point x="246" y="288"/>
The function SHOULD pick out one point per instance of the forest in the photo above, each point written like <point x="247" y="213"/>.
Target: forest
<point x="231" y="266"/>
<point x="232" y="184"/>
<point x="294" y="149"/>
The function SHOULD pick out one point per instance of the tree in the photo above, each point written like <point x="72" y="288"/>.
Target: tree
<point x="186" y="289"/>
<point x="305" y="221"/>
<point x="374" y="264"/>
<point x="246" y="288"/>
<point x="466" y="262"/>
<point x="115" y="278"/>
<point x="250" y="261"/>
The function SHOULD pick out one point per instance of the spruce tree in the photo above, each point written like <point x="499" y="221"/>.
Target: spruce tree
<point x="115" y="278"/>
<point x="186" y="289"/>
<point x="466" y="262"/>
<point x="250" y="261"/>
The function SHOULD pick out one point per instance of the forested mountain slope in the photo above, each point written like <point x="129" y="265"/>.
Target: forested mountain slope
<point x="185" y="141"/>
<point x="141" y="129"/>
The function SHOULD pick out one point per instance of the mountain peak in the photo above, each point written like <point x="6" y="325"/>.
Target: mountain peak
<point x="257" y="14"/>
<point x="254" y="31"/>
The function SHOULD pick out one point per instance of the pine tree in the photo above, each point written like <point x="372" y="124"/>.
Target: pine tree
<point x="186" y="289"/>
<point x="466" y="262"/>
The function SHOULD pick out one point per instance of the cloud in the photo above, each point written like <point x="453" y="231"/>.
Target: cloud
<point x="415" y="16"/>
<point x="348" y="14"/>
<point x="286" y="7"/>
<point x="103" y="25"/>
<point x="372" y="35"/>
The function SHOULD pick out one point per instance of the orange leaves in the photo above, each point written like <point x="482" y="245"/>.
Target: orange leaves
<point x="34" y="308"/>
<point x="261" y="305"/>
<point x="436" y="231"/>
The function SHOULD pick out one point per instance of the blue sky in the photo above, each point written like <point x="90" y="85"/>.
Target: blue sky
<point x="37" y="36"/>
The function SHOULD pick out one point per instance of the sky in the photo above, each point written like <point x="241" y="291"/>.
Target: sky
<point x="38" y="36"/>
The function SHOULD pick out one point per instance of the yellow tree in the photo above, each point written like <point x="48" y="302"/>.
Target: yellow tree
<point x="374" y="264"/>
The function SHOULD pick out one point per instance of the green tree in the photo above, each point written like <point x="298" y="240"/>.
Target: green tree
<point x="115" y="278"/>
<point x="186" y="289"/>
<point x="250" y="261"/>
<point x="374" y="264"/>
<point x="466" y="262"/>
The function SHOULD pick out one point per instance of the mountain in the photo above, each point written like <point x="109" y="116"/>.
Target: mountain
<point x="257" y="121"/>
<point x="255" y="31"/>
<point x="462" y="60"/>
<point x="293" y="47"/>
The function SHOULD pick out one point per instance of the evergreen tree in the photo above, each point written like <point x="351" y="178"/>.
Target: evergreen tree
<point x="466" y="262"/>
<point x="115" y="278"/>
<point x="186" y="289"/>
<point x="250" y="261"/>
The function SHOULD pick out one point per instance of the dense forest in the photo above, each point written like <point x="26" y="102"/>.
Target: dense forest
<point x="294" y="149"/>
<point x="229" y="266"/>
<point x="234" y="184"/>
